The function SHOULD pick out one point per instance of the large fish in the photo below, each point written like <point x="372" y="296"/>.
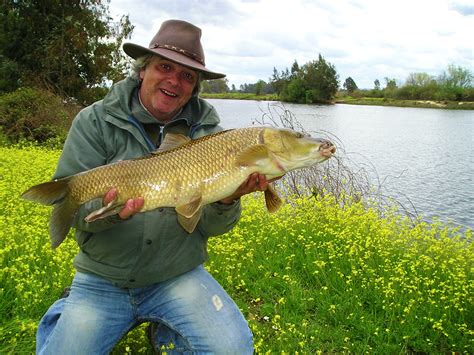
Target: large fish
<point x="185" y="174"/>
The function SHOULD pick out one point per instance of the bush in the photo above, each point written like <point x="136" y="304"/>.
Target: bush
<point x="34" y="115"/>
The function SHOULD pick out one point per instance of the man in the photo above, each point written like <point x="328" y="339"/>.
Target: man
<point x="143" y="267"/>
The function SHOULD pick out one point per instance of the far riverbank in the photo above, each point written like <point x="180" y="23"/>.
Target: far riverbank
<point x="450" y="105"/>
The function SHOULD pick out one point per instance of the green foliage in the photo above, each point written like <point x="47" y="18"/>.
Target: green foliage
<point x="313" y="278"/>
<point x="258" y="88"/>
<point x="9" y="75"/>
<point x="454" y="84"/>
<point x="215" y="86"/>
<point x="377" y="84"/>
<point x="363" y="98"/>
<point x="315" y="81"/>
<point x="295" y="91"/>
<point x="456" y="77"/>
<point x="65" y="46"/>
<point x="350" y="85"/>
<point x="35" y="115"/>
<point x="240" y="96"/>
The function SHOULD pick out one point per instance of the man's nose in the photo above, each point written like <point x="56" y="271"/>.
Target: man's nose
<point x="173" y="77"/>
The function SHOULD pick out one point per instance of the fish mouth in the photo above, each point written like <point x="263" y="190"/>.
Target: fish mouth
<point x="327" y="149"/>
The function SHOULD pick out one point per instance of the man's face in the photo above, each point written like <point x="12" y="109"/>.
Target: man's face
<point x="166" y="87"/>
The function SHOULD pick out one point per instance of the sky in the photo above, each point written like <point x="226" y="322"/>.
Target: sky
<point x="364" y="39"/>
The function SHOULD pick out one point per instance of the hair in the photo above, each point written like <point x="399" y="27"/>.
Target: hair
<point x="141" y="63"/>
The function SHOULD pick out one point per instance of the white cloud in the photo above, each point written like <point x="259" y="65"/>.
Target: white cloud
<point x="364" y="39"/>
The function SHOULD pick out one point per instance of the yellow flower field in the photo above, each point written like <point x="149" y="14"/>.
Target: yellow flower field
<point x="312" y="278"/>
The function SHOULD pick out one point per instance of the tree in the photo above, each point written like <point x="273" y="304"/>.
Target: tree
<point x="315" y="81"/>
<point x="259" y="87"/>
<point x="216" y="86"/>
<point x="456" y="76"/>
<point x="390" y="84"/>
<point x="350" y="85"/>
<point x="390" y="88"/>
<point x="277" y="81"/>
<point x="455" y="83"/>
<point x="295" y="68"/>
<point x="418" y="86"/>
<point x="419" y="79"/>
<point x="377" y="84"/>
<point x="320" y="80"/>
<point x="67" y="46"/>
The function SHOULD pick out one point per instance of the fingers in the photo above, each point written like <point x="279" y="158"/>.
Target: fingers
<point x="257" y="182"/>
<point x="262" y="182"/>
<point x="131" y="207"/>
<point x="109" y="196"/>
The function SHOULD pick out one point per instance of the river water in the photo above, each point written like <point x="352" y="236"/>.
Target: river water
<point x="423" y="157"/>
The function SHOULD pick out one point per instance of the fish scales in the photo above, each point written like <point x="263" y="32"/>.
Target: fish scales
<point x="206" y="165"/>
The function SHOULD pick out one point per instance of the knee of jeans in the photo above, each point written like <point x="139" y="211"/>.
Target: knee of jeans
<point x="239" y="342"/>
<point x="232" y="341"/>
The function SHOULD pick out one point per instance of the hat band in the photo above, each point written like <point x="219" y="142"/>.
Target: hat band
<point x="179" y="50"/>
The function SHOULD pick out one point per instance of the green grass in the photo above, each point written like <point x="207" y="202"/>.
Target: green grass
<point x="311" y="278"/>
<point x="372" y="101"/>
<point x="240" y="96"/>
<point x="451" y="105"/>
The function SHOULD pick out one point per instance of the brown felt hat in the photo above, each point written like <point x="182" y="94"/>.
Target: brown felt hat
<point x="178" y="41"/>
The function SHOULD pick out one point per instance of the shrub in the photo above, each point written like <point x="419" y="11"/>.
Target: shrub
<point x="34" y="115"/>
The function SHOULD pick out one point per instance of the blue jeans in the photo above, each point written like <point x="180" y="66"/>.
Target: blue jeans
<point x="192" y="311"/>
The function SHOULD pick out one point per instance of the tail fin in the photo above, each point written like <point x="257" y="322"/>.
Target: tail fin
<point x="61" y="220"/>
<point x="48" y="193"/>
<point x="55" y="193"/>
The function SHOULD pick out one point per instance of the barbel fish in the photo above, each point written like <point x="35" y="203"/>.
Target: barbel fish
<point x="185" y="174"/>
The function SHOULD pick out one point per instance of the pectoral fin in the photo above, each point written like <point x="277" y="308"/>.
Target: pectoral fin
<point x="257" y="155"/>
<point x="189" y="213"/>
<point x="109" y="210"/>
<point x="189" y="224"/>
<point x="272" y="200"/>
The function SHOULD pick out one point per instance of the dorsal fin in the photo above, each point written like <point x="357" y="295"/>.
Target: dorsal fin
<point x="171" y="141"/>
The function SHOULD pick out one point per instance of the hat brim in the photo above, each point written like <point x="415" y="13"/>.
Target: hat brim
<point x="135" y="51"/>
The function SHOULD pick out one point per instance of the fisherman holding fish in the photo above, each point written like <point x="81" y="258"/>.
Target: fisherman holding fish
<point x="146" y="176"/>
<point x="144" y="267"/>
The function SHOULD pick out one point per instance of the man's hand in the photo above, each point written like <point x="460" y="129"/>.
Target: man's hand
<point x="131" y="207"/>
<point x="255" y="182"/>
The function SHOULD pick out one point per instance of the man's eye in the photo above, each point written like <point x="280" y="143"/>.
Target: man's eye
<point x="188" y="76"/>
<point x="165" y="66"/>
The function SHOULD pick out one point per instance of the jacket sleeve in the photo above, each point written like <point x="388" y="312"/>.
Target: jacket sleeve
<point x="84" y="149"/>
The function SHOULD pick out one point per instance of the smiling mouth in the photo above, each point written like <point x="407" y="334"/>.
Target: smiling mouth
<point x="168" y="93"/>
